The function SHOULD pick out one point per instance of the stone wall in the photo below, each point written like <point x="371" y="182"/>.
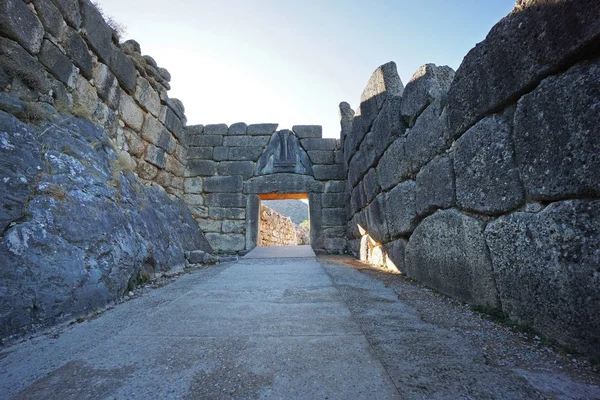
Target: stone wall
<point x="485" y="183"/>
<point x="89" y="143"/>
<point x="229" y="166"/>
<point x="275" y="229"/>
<point x="61" y="55"/>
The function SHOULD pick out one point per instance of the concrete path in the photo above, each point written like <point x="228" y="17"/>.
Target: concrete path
<point x="266" y="328"/>
<point x="281" y="252"/>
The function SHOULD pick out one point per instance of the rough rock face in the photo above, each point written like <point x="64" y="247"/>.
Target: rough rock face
<point x="77" y="226"/>
<point x="546" y="267"/>
<point x="448" y="252"/>
<point x="275" y="229"/>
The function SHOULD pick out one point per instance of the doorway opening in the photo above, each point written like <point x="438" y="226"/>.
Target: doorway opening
<point x="284" y="219"/>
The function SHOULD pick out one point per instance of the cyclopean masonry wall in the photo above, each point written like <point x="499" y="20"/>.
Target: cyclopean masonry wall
<point x="485" y="183"/>
<point x="230" y="168"/>
<point x="275" y="229"/>
<point x="79" y="114"/>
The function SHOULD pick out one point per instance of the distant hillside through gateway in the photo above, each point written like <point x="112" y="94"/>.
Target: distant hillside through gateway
<point x="297" y="210"/>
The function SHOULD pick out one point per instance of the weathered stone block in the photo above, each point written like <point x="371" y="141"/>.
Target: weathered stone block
<point x="334" y="232"/>
<point x="539" y="38"/>
<point x="131" y="114"/>
<point x="147" y="97"/>
<point x="435" y="186"/>
<point x="546" y="269"/>
<point x="155" y="156"/>
<point x="334" y="245"/>
<point x="376" y="223"/>
<point x="227" y="213"/>
<point x="51" y="18"/>
<point x="17" y="62"/>
<point x="193" y="199"/>
<point x="321" y="156"/>
<point x="70" y="11"/>
<point x="78" y="52"/>
<point x="199" y="211"/>
<point x="487" y="177"/>
<point x="447" y="251"/>
<point x="262" y="129"/>
<point x="245" y="153"/>
<point x="328" y="172"/>
<point x="226" y="243"/>
<point x="346" y="116"/>
<point x="154" y="132"/>
<point x="135" y="145"/>
<point x="220" y="153"/>
<point x="391" y="169"/>
<point x="316" y="220"/>
<point x="173" y="166"/>
<point x="206" y="140"/>
<point x="97" y="33"/>
<point x="175" y="125"/>
<point x="146" y="170"/>
<point x="236" y="141"/>
<point x="215" y="129"/>
<point x="85" y="96"/>
<point x="427" y="84"/>
<point x="123" y="68"/>
<point x="209" y="225"/>
<point x="556" y="135"/>
<point x="243" y="168"/>
<point x="239" y="128"/>
<point x="11" y="104"/>
<point x="200" y="168"/>
<point x="283" y="183"/>
<point x="400" y="209"/>
<point x="335" y="186"/>
<point x="200" y="153"/>
<point x="193" y="185"/>
<point x="107" y="86"/>
<point x="426" y="139"/>
<point x="310" y="144"/>
<point x="308" y="131"/>
<point x="195" y="129"/>
<point x="19" y="23"/>
<point x="370" y="185"/>
<point x="333" y="200"/>
<point x="195" y="257"/>
<point x="223" y="184"/>
<point x="230" y="226"/>
<point x="224" y="199"/>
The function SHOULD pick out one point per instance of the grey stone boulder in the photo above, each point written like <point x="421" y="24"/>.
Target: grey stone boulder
<point x="133" y="47"/>
<point x="428" y="83"/>
<point x="19" y="23"/>
<point x="227" y="243"/>
<point x="346" y="117"/>
<point x="435" y="186"/>
<point x="79" y="231"/>
<point x="51" y="17"/>
<point x="123" y="68"/>
<point x="546" y="269"/>
<point x="384" y="82"/>
<point x="57" y="63"/>
<point x="4" y="79"/>
<point x="391" y="168"/>
<point x="216" y="129"/>
<point x="78" y="52"/>
<point x="395" y="252"/>
<point x="262" y="129"/>
<point x="195" y="256"/>
<point x="400" y="209"/>
<point x="448" y="252"/>
<point x="239" y="128"/>
<point x="223" y="184"/>
<point x="11" y="104"/>
<point x="243" y="168"/>
<point x="487" y="177"/>
<point x="283" y="183"/>
<point x="18" y="63"/>
<point x="537" y="39"/>
<point x="97" y="32"/>
<point x="147" y="97"/>
<point x="556" y="135"/>
<point x="376" y="223"/>
<point x="70" y="11"/>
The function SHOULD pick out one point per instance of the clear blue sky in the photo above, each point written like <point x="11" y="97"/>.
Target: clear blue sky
<point x="294" y="61"/>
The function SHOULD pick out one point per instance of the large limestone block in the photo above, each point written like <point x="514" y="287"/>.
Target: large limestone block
<point x="346" y="116"/>
<point x="239" y="128"/>
<point x="97" y="32"/>
<point x="123" y="68"/>
<point x="147" y="97"/>
<point x="243" y="168"/>
<point x="384" y="82"/>
<point x="394" y="255"/>
<point x="376" y="223"/>
<point x="435" y="186"/>
<point x="427" y="84"/>
<point x="426" y="139"/>
<point x="447" y="251"/>
<point x="131" y="114"/>
<point x="400" y="209"/>
<point x="328" y="172"/>
<point x="223" y="184"/>
<point x="283" y="183"/>
<point x="308" y="131"/>
<point x="227" y="213"/>
<point x="334" y="216"/>
<point x="70" y="11"/>
<point x="107" y="85"/>
<point x="391" y="169"/>
<point x="57" y="63"/>
<point x="226" y="243"/>
<point x="262" y="129"/>
<point x="556" y="135"/>
<point x="17" y="62"/>
<point x="51" y="17"/>
<point x="546" y="268"/>
<point x="236" y="200"/>
<point x="201" y="168"/>
<point x="216" y="129"/>
<point x="206" y="140"/>
<point x="19" y="23"/>
<point x="78" y="52"/>
<point x="155" y="132"/>
<point x="487" y="177"/>
<point x="538" y="38"/>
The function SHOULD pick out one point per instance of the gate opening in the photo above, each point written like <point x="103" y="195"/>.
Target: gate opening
<point x="284" y="219"/>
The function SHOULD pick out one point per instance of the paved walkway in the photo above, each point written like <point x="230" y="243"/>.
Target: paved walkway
<point x="269" y="328"/>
